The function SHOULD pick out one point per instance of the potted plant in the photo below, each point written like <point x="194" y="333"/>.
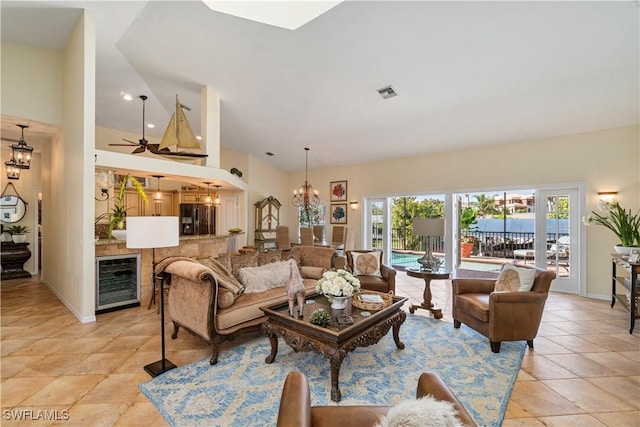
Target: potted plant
<point x="624" y="224"/>
<point x="18" y="233"/>
<point x="118" y="213"/>
<point x="468" y="219"/>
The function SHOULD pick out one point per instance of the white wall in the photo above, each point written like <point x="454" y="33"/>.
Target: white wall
<point x="605" y="160"/>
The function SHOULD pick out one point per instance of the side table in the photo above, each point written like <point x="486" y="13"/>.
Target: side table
<point x="428" y="276"/>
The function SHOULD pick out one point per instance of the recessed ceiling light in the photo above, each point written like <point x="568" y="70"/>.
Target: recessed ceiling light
<point x="127" y="97"/>
<point x="199" y="138"/>
<point x="150" y="125"/>
<point x="387" y="92"/>
<point x="269" y="153"/>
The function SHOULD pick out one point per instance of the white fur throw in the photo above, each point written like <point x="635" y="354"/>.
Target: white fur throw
<point x="423" y="412"/>
<point x="264" y="277"/>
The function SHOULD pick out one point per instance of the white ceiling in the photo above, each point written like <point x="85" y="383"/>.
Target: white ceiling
<point x="467" y="74"/>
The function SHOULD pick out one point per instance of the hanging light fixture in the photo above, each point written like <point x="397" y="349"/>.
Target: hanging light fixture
<point x="207" y="200"/>
<point x="21" y="152"/>
<point x="13" y="171"/>
<point x="158" y="198"/>
<point x="306" y="197"/>
<point x="216" y="201"/>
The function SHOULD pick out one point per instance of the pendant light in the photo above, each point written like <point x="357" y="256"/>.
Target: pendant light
<point x="21" y="152"/>
<point x="306" y="197"/>
<point x="216" y="201"/>
<point x="207" y="200"/>
<point x="158" y="198"/>
<point x="13" y="171"/>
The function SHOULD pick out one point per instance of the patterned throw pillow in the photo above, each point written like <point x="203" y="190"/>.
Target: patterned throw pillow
<point x="515" y="279"/>
<point x="241" y="261"/>
<point x="367" y="263"/>
<point x="269" y="256"/>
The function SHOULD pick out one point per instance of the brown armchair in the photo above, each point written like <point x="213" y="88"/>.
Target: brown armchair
<point x="384" y="284"/>
<point x="501" y="316"/>
<point x="296" y="410"/>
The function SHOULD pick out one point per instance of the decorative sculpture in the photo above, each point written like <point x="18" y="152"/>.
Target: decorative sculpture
<point x="295" y="289"/>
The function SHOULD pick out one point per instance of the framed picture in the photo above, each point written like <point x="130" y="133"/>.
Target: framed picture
<point x="634" y="256"/>
<point x="338" y="191"/>
<point x="339" y="213"/>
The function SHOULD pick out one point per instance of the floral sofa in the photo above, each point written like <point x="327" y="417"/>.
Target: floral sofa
<point x="219" y="299"/>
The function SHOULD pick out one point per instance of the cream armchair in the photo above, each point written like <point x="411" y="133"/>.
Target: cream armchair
<point x="501" y="316"/>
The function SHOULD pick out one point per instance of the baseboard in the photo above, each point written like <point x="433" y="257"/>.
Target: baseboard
<point x="81" y="319"/>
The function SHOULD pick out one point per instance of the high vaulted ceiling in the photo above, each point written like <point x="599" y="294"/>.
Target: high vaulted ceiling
<point x="467" y="74"/>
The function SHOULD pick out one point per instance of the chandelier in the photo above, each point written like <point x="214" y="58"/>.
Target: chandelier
<point x="306" y="197"/>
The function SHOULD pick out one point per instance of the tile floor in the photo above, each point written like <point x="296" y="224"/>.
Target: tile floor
<point x="584" y="370"/>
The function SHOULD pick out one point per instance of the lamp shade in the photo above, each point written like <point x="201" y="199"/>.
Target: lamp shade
<point x="152" y="231"/>
<point x="428" y="227"/>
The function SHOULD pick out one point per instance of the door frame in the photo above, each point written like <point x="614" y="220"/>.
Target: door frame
<point x="386" y="226"/>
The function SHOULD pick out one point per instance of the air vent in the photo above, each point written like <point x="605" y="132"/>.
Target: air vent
<point x="269" y="153"/>
<point x="387" y="92"/>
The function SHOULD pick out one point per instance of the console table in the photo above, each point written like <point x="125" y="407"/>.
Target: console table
<point x="13" y="256"/>
<point x="625" y="274"/>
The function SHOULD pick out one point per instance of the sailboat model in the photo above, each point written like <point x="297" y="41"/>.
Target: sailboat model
<point x="180" y="134"/>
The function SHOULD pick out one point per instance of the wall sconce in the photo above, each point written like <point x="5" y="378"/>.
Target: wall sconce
<point x="354" y="205"/>
<point x="607" y="196"/>
<point x="104" y="195"/>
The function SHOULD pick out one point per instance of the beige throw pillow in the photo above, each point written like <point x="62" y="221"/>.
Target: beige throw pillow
<point x="515" y="279"/>
<point x="309" y="272"/>
<point x="264" y="277"/>
<point x="367" y="263"/>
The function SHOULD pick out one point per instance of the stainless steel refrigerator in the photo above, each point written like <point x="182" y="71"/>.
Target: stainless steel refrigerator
<point x="197" y="218"/>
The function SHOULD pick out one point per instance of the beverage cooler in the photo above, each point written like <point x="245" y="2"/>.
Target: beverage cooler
<point x="197" y="218"/>
<point x="117" y="282"/>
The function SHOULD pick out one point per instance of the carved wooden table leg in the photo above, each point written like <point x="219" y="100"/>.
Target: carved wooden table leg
<point x="274" y="348"/>
<point x="396" y="331"/>
<point x="427" y="276"/>
<point x="336" y="361"/>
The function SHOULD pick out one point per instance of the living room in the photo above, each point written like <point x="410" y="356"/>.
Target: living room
<point x="597" y="158"/>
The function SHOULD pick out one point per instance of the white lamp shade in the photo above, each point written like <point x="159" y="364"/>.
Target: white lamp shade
<point x="152" y="231"/>
<point x="428" y="227"/>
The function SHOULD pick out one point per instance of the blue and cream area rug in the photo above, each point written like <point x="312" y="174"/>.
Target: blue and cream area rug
<point x="242" y="390"/>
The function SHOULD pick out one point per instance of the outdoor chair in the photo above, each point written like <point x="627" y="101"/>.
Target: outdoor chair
<point x="559" y="251"/>
<point x="296" y="410"/>
<point x="501" y="316"/>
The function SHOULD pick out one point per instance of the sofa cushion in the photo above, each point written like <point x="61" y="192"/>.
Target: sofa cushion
<point x="265" y="277"/>
<point x="366" y="263"/>
<point x="476" y="305"/>
<point x="249" y="259"/>
<point x="515" y="279"/>
<point x="246" y="308"/>
<point x="225" y="298"/>
<point x="269" y="256"/>
<point x="310" y="272"/>
<point x="426" y="411"/>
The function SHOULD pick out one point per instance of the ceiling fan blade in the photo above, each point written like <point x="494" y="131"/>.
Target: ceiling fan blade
<point x="10" y="139"/>
<point x="120" y="145"/>
<point x="153" y="147"/>
<point x="138" y="150"/>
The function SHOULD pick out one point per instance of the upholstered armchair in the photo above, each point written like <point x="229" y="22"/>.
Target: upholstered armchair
<point x="501" y="316"/>
<point x="296" y="410"/>
<point x="381" y="280"/>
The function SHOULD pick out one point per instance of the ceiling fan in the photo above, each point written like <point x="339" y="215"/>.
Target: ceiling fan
<point x="142" y="144"/>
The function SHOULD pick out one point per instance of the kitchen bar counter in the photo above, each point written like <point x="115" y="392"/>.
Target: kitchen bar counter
<point x="200" y="246"/>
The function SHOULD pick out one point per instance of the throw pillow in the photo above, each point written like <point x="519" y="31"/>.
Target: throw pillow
<point x="367" y="263"/>
<point x="269" y="256"/>
<point x="225" y="260"/>
<point x="225" y="279"/>
<point x="238" y="262"/>
<point x="309" y="272"/>
<point x="426" y="411"/>
<point x="264" y="277"/>
<point x="515" y="279"/>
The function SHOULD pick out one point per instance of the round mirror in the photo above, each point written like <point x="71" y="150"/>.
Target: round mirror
<point x="12" y="209"/>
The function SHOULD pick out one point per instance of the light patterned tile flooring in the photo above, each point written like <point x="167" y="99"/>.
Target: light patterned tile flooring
<point x="584" y="370"/>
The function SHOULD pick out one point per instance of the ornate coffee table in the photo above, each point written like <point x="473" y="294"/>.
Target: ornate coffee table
<point x="335" y="341"/>
<point x="428" y="275"/>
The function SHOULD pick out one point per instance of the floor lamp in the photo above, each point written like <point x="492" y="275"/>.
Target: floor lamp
<point x="430" y="227"/>
<point x="154" y="232"/>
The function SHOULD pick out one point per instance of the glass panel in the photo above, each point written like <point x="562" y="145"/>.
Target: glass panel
<point x="376" y="219"/>
<point x="558" y="234"/>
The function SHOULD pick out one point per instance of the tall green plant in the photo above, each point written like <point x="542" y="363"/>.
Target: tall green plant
<point x="624" y="224"/>
<point x="119" y="211"/>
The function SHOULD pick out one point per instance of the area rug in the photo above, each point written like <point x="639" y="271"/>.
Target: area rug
<point x="242" y="390"/>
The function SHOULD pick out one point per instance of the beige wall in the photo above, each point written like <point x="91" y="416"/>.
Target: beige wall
<point x="31" y="83"/>
<point x="603" y="160"/>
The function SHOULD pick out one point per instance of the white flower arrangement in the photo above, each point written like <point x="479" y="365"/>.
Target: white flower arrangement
<point x="338" y="283"/>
